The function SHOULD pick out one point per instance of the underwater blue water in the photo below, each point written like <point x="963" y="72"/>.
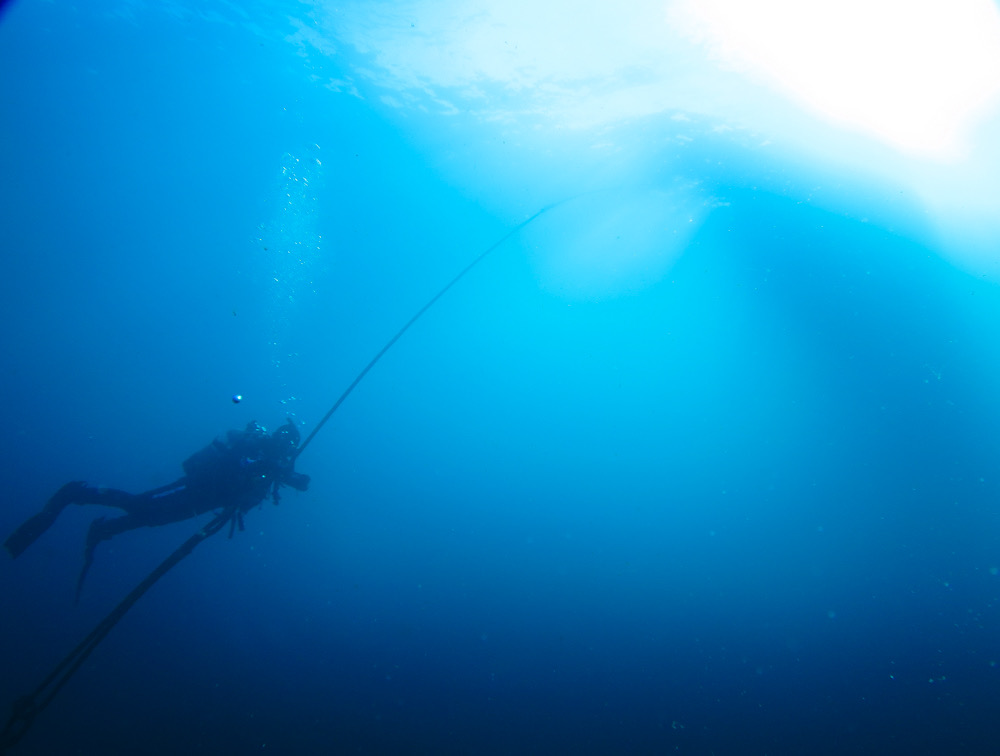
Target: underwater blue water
<point x="730" y="488"/>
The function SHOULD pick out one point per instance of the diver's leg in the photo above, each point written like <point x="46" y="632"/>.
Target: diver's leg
<point x="103" y="529"/>
<point x="76" y="492"/>
<point x="157" y="507"/>
<point x="34" y="526"/>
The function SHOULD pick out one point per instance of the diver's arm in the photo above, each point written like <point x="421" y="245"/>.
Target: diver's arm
<point x="298" y="481"/>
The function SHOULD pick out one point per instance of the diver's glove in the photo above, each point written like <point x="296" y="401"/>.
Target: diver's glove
<point x="298" y="481"/>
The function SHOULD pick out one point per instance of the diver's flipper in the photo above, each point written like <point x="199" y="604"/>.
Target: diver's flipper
<point x="88" y="559"/>
<point x="32" y="528"/>
<point x="95" y="535"/>
<point x="30" y="531"/>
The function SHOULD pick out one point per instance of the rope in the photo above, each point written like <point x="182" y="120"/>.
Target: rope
<point x="414" y="319"/>
<point x="26" y="708"/>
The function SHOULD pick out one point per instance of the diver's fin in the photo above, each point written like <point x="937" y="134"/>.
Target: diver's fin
<point x="88" y="559"/>
<point x="32" y="528"/>
<point x="95" y="535"/>
<point x="29" y="531"/>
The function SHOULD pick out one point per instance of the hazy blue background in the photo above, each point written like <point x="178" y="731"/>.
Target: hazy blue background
<point x="702" y="461"/>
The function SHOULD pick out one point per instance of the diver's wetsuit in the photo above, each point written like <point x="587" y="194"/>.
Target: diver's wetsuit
<point x="240" y="472"/>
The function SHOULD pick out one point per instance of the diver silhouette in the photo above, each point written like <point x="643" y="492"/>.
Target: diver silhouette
<point x="238" y="473"/>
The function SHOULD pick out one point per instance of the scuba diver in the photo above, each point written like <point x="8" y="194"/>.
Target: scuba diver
<point x="238" y="474"/>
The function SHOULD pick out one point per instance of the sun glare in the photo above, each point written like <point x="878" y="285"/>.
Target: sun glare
<point x="913" y="73"/>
